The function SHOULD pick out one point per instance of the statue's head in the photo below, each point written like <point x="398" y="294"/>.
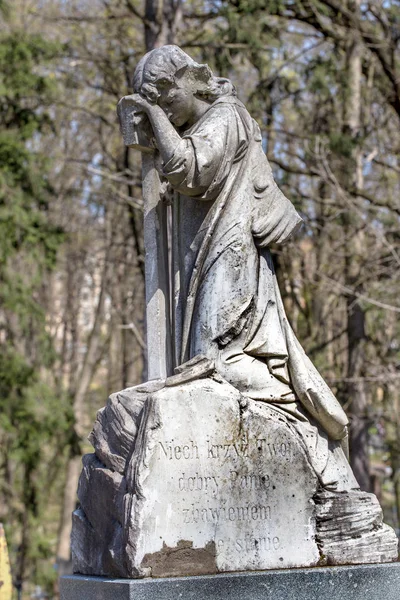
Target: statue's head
<point x="169" y="77"/>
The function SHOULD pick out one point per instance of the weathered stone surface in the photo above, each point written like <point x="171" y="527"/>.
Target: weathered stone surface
<point x="223" y="488"/>
<point x="206" y="481"/>
<point x="197" y="368"/>
<point x="211" y="287"/>
<point x="350" y="527"/>
<point x="218" y="477"/>
<point x="367" y="582"/>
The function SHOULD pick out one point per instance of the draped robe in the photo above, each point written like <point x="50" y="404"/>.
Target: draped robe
<point x="228" y="210"/>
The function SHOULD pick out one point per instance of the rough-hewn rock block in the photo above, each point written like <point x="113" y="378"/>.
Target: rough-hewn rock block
<point x="205" y="481"/>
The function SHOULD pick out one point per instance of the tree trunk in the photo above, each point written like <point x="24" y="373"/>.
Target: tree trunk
<point x="354" y="250"/>
<point x="68" y="505"/>
<point x="162" y="20"/>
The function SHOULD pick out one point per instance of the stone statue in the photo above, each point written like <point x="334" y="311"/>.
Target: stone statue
<point x="236" y="430"/>
<point x="228" y="210"/>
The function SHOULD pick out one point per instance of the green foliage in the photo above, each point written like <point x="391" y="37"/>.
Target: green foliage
<point x="26" y="234"/>
<point x="34" y="425"/>
<point x="254" y="6"/>
<point x="22" y="61"/>
<point x="28" y="408"/>
<point x="33" y="419"/>
<point x="342" y="144"/>
<point x="24" y="188"/>
<point x="4" y="8"/>
<point x="321" y="79"/>
<point x="15" y="376"/>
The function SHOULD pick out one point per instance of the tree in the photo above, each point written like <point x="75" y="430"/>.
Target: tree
<point x="33" y="421"/>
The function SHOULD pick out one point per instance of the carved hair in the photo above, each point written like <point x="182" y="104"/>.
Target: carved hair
<point x="164" y="67"/>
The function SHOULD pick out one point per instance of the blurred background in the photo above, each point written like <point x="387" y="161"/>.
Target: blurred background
<point x="322" y="78"/>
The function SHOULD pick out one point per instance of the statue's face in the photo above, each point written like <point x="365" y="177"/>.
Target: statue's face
<point x="176" y="89"/>
<point x="178" y="102"/>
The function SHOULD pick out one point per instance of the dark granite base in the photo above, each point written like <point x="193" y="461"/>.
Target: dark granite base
<point x="360" y="582"/>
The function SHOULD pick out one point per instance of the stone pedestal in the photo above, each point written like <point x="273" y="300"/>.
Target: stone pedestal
<point x="363" y="582"/>
<point x="215" y="487"/>
<point x="192" y="479"/>
<point x="210" y="486"/>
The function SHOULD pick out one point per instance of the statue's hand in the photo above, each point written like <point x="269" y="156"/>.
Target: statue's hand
<point x="139" y="102"/>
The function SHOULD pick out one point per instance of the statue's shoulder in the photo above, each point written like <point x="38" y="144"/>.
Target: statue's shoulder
<point x="222" y="111"/>
<point x="239" y="112"/>
<point x="229" y="101"/>
<point x="219" y="115"/>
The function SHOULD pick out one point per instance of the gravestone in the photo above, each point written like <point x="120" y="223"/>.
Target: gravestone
<point x="211" y="488"/>
<point x="227" y="486"/>
<point x="233" y="456"/>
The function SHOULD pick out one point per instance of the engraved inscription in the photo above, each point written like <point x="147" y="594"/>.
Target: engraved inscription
<point x="199" y="483"/>
<point x="211" y="483"/>
<point x="251" y="512"/>
<point x="249" y="543"/>
<point x="228" y="450"/>
<point x="238" y="466"/>
<point x="250" y="481"/>
<point x="275" y="449"/>
<point x="171" y="451"/>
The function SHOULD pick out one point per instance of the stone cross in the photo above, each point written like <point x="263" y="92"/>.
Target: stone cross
<point x="159" y="356"/>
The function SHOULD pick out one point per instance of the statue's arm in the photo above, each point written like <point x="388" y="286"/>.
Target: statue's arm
<point x="202" y="162"/>
<point x="168" y="139"/>
<point x="195" y="164"/>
